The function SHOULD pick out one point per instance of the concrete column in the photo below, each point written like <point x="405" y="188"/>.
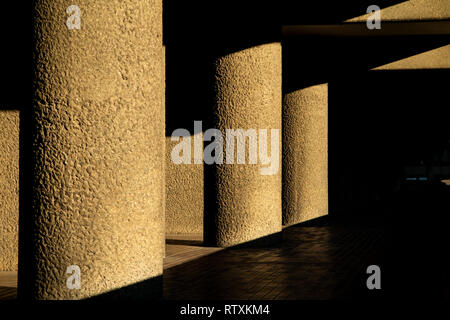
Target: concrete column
<point x="163" y="138"/>
<point x="305" y="154"/>
<point x="9" y="189"/>
<point x="98" y="151"/>
<point x="246" y="203"/>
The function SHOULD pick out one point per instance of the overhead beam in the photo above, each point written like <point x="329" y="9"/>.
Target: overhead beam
<point x="360" y="29"/>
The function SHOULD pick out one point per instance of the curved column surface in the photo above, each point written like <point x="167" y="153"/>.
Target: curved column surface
<point x="247" y="203"/>
<point x="305" y="154"/>
<point x="98" y="151"/>
<point x="9" y="189"/>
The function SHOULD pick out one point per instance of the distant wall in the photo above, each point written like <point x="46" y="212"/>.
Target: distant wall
<point x="9" y="189"/>
<point x="184" y="195"/>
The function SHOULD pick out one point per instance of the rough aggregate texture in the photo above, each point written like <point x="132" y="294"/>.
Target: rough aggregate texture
<point x="305" y="154"/>
<point x="9" y="189"/>
<point x="184" y="192"/>
<point x="163" y="142"/>
<point x="248" y="95"/>
<point x="98" y="152"/>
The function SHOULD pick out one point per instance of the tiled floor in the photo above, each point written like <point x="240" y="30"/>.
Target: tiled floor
<point x="8" y="285"/>
<point x="311" y="263"/>
<point x="182" y="248"/>
<point x="317" y="262"/>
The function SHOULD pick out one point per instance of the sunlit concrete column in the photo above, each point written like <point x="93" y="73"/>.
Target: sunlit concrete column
<point x="305" y="154"/>
<point x="247" y="203"/>
<point x="98" y="151"/>
<point x="9" y="188"/>
<point x="163" y="142"/>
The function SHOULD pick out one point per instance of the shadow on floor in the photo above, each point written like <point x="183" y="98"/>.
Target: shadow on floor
<point x="149" y="289"/>
<point x="314" y="261"/>
<point x="8" y="293"/>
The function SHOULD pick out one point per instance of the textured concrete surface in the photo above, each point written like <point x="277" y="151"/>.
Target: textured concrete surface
<point x="98" y="149"/>
<point x="412" y="10"/>
<point x="305" y="154"/>
<point x="163" y="142"/>
<point x="434" y="59"/>
<point x="184" y="194"/>
<point x="9" y="189"/>
<point x="248" y="95"/>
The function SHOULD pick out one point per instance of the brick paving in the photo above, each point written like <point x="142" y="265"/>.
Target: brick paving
<point x="326" y="262"/>
<point x="8" y="285"/>
<point x="312" y="262"/>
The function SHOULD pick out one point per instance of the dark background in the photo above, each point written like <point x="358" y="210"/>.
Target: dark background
<point x="379" y="121"/>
